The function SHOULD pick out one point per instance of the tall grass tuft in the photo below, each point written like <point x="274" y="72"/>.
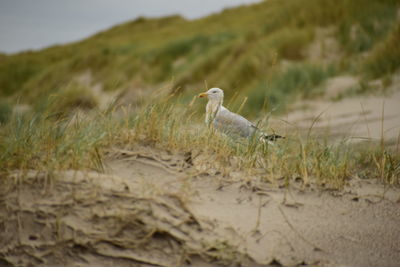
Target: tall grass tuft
<point x="385" y="57"/>
<point x="41" y="141"/>
<point x="5" y="111"/>
<point x="44" y="142"/>
<point x="297" y="81"/>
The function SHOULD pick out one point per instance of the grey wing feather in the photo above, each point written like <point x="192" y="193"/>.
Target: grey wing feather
<point x="232" y="123"/>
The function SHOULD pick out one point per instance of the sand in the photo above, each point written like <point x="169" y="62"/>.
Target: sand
<point x="155" y="208"/>
<point x="152" y="207"/>
<point x="369" y="117"/>
<point x="292" y="226"/>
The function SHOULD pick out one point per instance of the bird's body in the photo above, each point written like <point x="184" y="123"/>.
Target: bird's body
<point x="231" y="123"/>
<point x="228" y="122"/>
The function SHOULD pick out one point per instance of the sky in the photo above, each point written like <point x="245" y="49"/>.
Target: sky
<point x="35" y="24"/>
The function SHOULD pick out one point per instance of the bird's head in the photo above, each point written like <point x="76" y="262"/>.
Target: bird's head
<point x="214" y="94"/>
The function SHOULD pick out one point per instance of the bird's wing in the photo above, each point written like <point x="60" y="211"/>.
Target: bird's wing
<point x="232" y="123"/>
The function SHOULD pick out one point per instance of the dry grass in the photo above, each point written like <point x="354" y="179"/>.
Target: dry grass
<point x="45" y="142"/>
<point x="266" y="64"/>
<point x="385" y="58"/>
<point x="225" y="49"/>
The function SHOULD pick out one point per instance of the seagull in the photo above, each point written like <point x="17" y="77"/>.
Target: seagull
<point x="228" y="122"/>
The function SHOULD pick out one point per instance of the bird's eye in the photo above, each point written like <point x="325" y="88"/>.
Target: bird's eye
<point x="214" y="92"/>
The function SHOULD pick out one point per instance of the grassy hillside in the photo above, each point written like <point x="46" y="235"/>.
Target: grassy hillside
<point x="263" y="51"/>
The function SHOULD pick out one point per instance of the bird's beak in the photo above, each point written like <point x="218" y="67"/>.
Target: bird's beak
<point x="203" y="94"/>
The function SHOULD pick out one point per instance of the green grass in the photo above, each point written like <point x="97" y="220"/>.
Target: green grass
<point x="255" y="53"/>
<point x="298" y="81"/>
<point x="5" y="111"/>
<point x="44" y="142"/>
<point x="68" y="98"/>
<point x="384" y="58"/>
<point x="234" y="50"/>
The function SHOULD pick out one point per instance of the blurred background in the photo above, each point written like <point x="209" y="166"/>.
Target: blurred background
<point x="268" y="56"/>
<point x="26" y="25"/>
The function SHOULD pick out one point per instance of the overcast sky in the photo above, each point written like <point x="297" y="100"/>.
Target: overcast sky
<point x="34" y="24"/>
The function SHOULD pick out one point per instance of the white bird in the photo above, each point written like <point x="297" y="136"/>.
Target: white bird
<point x="228" y="122"/>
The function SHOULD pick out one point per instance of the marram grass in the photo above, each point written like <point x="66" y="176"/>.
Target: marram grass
<point x="47" y="143"/>
<point x="233" y="50"/>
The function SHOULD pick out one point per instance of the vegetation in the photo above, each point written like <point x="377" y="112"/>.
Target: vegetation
<point x="43" y="142"/>
<point x="301" y="80"/>
<point x="258" y="51"/>
<point x="239" y="50"/>
<point x="385" y="57"/>
<point x="5" y="112"/>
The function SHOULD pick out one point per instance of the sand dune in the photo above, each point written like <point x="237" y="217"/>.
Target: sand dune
<point x="152" y="207"/>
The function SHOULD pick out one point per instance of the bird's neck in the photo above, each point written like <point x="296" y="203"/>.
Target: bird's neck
<point x="212" y="109"/>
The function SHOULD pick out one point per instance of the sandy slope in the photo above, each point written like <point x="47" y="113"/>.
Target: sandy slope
<point x="154" y="208"/>
<point x="291" y="226"/>
<point x="358" y="227"/>
<point x="369" y="117"/>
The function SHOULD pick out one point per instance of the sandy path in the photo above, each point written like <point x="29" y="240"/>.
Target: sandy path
<point x="360" y="118"/>
<point x="291" y="226"/>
